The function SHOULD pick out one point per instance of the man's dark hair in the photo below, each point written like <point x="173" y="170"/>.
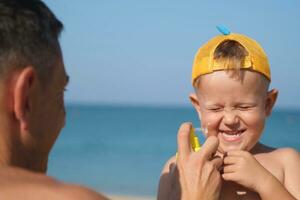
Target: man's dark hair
<point x="29" y="34"/>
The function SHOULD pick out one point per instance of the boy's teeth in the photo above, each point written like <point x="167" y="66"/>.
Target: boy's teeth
<point x="232" y="134"/>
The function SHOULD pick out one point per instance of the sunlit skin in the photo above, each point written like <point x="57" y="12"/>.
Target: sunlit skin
<point x="233" y="107"/>
<point x="49" y="111"/>
<point x="234" y="110"/>
<point x="32" y="115"/>
<point x="29" y="100"/>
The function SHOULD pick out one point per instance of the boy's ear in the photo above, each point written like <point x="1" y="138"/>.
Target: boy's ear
<point x="195" y="102"/>
<point x="270" y="101"/>
<point x="21" y="95"/>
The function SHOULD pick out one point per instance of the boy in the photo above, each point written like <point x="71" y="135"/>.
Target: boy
<point x="231" y="77"/>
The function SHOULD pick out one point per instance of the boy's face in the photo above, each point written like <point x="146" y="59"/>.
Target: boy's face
<point x="233" y="109"/>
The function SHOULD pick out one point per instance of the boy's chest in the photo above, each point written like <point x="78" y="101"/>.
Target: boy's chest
<point x="232" y="191"/>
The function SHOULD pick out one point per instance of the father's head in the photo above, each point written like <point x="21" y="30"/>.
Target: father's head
<point x="32" y="82"/>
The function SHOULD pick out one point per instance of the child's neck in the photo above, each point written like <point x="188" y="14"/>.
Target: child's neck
<point x="260" y="148"/>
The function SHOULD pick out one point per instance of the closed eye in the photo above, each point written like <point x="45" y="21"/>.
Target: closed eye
<point x="215" y="109"/>
<point x="244" y="107"/>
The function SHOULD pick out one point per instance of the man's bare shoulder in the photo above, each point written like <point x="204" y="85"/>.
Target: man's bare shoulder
<point x="78" y="192"/>
<point x="16" y="183"/>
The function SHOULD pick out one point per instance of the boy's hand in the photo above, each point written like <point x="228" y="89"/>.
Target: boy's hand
<point x="242" y="168"/>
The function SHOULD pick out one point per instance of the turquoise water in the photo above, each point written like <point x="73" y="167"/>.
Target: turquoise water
<point x="121" y="150"/>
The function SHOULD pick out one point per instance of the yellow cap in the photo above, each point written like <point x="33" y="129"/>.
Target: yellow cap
<point x="256" y="59"/>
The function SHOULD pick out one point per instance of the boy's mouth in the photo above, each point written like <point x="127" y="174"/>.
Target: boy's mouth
<point x="232" y="136"/>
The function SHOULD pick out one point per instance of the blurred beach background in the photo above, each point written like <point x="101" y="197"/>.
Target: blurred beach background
<point x="121" y="150"/>
<point x="130" y="64"/>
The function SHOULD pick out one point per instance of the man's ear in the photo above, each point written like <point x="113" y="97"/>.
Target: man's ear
<point x="270" y="101"/>
<point x="195" y="102"/>
<point x="21" y="95"/>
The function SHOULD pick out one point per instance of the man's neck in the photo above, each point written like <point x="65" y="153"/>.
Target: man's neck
<point x="5" y="146"/>
<point x="13" y="154"/>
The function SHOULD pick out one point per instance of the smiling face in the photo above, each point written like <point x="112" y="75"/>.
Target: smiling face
<point x="233" y="109"/>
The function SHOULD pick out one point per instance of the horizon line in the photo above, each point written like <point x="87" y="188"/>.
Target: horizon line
<point x="156" y="105"/>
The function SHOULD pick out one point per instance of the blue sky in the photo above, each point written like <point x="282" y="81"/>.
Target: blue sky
<point x="141" y="52"/>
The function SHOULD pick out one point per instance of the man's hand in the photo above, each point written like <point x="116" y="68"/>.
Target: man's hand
<point x="198" y="173"/>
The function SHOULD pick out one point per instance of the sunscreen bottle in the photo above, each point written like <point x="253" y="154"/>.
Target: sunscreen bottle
<point x="194" y="140"/>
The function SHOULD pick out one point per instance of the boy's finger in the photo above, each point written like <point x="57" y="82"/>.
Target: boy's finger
<point x="229" y="169"/>
<point x="230" y="160"/>
<point x="183" y="140"/>
<point x="209" y="148"/>
<point x="229" y="176"/>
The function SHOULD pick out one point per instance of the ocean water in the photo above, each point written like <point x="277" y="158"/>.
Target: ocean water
<point x="122" y="149"/>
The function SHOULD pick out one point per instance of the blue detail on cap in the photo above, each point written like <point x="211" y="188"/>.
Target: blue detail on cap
<point x="223" y="29"/>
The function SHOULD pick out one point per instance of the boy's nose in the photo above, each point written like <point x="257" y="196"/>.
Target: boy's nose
<point x="230" y="118"/>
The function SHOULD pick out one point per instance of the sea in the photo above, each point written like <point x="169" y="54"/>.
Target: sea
<point x="122" y="149"/>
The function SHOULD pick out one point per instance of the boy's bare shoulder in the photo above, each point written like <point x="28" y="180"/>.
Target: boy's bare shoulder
<point x="290" y="159"/>
<point x="165" y="182"/>
<point x="169" y="164"/>
<point x="33" y="186"/>
<point x="287" y="155"/>
<point x="284" y="157"/>
<point x="279" y="154"/>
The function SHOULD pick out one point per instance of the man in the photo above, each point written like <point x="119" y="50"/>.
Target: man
<point x="32" y="82"/>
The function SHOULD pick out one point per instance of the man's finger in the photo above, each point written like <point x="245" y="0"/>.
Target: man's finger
<point x="183" y="140"/>
<point x="210" y="147"/>
<point x="217" y="162"/>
